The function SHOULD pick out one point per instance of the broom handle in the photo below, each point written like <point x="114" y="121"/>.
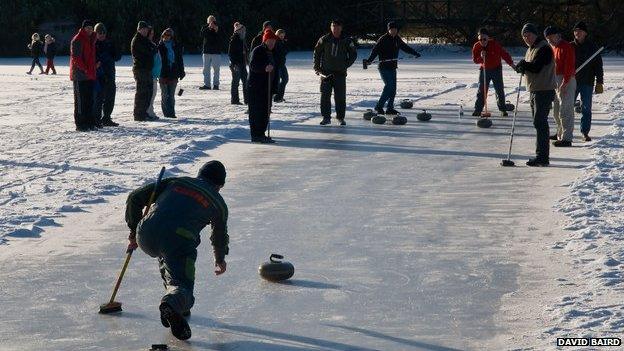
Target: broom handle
<point x="485" y="86"/>
<point x="513" y="123"/>
<point x="269" y="108"/>
<point x="589" y="59"/>
<point x="129" y="254"/>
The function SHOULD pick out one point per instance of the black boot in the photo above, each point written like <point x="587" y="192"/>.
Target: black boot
<point x="342" y="121"/>
<point x="554" y="137"/>
<point x="325" y="121"/>
<point x="586" y="137"/>
<point x="107" y="122"/>
<point x="170" y="318"/>
<point x="535" y="162"/>
<point x="391" y="111"/>
<point x="504" y="114"/>
<point x="205" y="87"/>
<point x="476" y="113"/>
<point x="562" y="143"/>
<point x="216" y="87"/>
<point x="380" y="111"/>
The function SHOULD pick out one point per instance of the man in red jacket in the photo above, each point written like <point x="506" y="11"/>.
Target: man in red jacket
<point x="488" y="53"/>
<point x="82" y="72"/>
<point x="563" y="106"/>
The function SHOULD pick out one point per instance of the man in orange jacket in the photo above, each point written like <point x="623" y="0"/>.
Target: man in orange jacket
<point x="563" y="106"/>
<point x="488" y="53"/>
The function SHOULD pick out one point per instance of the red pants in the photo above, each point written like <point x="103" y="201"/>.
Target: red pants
<point x="50" y="66"/>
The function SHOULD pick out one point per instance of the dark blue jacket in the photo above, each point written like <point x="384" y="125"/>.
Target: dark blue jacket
<point x="261" y="57"/>
<point x="175" y="71"/>
<point x="107" y="54"/>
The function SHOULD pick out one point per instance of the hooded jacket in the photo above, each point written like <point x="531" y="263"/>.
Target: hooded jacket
<point x="82" y="61"/>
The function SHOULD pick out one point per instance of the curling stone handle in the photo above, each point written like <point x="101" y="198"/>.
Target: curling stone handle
<point x="276" y="256"/>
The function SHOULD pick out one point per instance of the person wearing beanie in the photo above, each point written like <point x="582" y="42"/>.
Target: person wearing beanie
<point x="212" y="44"/>
<point x="538" y="67"/>
<point x="592" y="73"/>
<point x="333" y="54"/>
<point x="49" y="49"/>
<point x="563" y="107"/>
<point x="171" y="52"/>
<point x="171" y="231"/>
<point x="36" y="49"/>
<point x="237" y="52"/>
<point x="488" y="54"/>
<point x="82" y="71"/>
<point x="387" y="47"/>
<point x="257" y="40"/>
<point x="106" y="53"/>
<point x="261" y="77"/>
<point x="281" y="50"/>
<point x="143" y="51"/>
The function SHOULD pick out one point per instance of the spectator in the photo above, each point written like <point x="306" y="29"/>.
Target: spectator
<point x="142" y="63"/>
<point x="82" y="73"/>
<point x="211" y="53"/>
<point x="281" y="50"/>
<point x="35" y="47"/>
<point x="237" y="52"/>
<point x="106" y="55"/>
<point x="172" y="70"/>
<point x="50" y="52"/>
<point x="157" y="67"/>
<point x="257" y="40"/>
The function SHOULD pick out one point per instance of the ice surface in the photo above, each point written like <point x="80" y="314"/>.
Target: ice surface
<point x="403" y="238"/>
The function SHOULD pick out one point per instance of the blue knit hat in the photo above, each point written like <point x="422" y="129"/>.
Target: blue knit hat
<point x="214" y="172"/>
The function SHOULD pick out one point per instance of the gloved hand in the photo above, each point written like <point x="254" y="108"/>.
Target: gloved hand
<point x="132" y="244"/>
<point x="520" y="66"/>
<point x="599" y="89"/>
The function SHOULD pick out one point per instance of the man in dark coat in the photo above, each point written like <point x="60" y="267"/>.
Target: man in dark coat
<point x="143" y="52"/>
<point x="261" y="76"/>
<point x="387" y="48"/>
<point x="106" y="56"/>
<point x="281" y="50"/>
<point x="333" y="55"/>
<point x="257" y="40"/>
<point x="586" y="77"/>
<point x="171" y="230"/>
<point x="172" y="70"/>
<point x="82" y="73"/>
<point x="237" y="52"/>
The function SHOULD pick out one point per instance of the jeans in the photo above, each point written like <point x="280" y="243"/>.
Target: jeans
<point x="167" y="97"/>
<point x="282" y="73"/>
<point x="389" y="77"/>
<point x="239" y="75"/>
<point x="150" y="108"/>
<point x="35" y="61"/>
<point x="563" y="109"/>
<point x="337" y="82"/>
<point x="586" y="92"/>
<point x="496" y="77"/>
<point x="541" y="101"/>
<point x="214" y="61"/>
<point x="105" y="99"/>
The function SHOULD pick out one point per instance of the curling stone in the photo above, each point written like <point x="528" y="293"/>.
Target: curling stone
<point x="509" y="106"/>
<point x="369" y="114"/>
<point x="399" y="120"/>
<point x="379" y="119"/>
<point x="275" y="270"/>
<point x="406" y="103"/>
<point x="484" y="123"/>
<point x="424" y="116"/>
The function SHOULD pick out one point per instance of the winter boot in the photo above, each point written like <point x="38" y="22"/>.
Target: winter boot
<point x="586" y="137"/>
<point x="267" y="140"/>
<point x="216" y="87"/>
<point x="342" y="121"/>
<point x="504" y="113"/>
<point x="107" y="122"/>
<point x="325" y="121"/>
<point x="476" y="114"/>
<point x="205" y="87"/>
<point x="380" y="111"/>
<point x="554" y="137"/>
<point x="391" y="111"/>
<point x="170" y="318"/>
<point x="535" y="162"/>
<point x="562" y="143"/>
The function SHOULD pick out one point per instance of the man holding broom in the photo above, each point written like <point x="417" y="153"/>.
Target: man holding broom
<point x="170" y="231"/>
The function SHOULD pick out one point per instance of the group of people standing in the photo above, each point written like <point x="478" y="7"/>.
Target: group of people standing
<point x="554" y="78"/>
